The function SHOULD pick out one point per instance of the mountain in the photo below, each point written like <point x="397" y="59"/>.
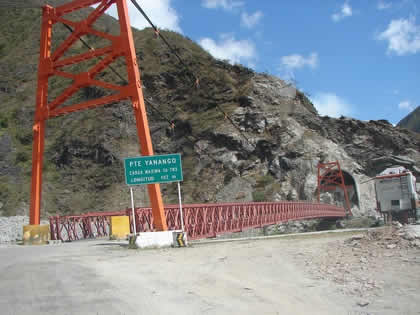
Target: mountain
<point x="243" y="135"/>
<point x="411" y="121"/>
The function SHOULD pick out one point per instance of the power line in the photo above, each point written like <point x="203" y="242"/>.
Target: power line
<point x="163" y="38"/>
<point x="171" y="48"/>
<point x="154" y="107"/>
<point x="100" y="58"/>
<point x="185" y="65"/>
<point x="172" y="126"/>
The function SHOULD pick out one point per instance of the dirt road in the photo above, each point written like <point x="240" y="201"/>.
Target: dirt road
<point x="253" y="277"/>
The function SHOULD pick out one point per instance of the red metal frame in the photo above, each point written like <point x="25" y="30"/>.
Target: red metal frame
<point x="392" y="175"/>
<point x="330" y="176"/>
<point x="51" y="64"/>
<point x="201" y="220"/>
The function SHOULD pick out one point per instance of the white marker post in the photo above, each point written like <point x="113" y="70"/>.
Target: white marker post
<point x="134" y="215"/>
<point x="180" y="207"/>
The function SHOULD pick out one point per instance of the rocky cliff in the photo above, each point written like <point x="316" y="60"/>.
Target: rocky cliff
<point x="243" y="136"/>
<point x="411" y="121"/>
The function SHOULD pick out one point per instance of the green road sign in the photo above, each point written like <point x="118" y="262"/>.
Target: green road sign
<point x="153" y="169"/>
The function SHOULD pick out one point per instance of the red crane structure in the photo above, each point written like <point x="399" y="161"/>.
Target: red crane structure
<point x="51" y="63"/>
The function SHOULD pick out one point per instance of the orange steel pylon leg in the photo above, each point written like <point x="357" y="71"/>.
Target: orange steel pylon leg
<point x="51" y="64"/>
<point x="39" y="124"/>
<point x="140" y="114"/>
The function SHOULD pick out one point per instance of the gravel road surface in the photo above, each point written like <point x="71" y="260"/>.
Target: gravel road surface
<point x="104" y="277"/>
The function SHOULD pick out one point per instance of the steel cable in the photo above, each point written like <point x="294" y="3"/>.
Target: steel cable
<point x="185" y="65"/>
<point x="154" y="107"/>
<point x="164" y="39"/>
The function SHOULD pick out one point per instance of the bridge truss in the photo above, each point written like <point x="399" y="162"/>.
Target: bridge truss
<point x="201" y="220"/>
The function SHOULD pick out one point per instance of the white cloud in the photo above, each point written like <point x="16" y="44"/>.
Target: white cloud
<point x="296" y="61"/>
<point x="224" y="4"/>
<point x="329" y="104"/>
<point x="228" y="48"/>
<point x="406" y="105"/>
<point x="345" y="11"/>
<point x="383" y="5"/>
<point x="162" y="14"/>
<point x="249" y="21"/>
<point x="403" y="36"/>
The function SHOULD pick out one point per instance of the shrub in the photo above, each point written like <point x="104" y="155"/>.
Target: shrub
<point x="258" y="196"/>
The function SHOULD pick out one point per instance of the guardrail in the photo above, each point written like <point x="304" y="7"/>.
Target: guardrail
<point x="201" y="220"/>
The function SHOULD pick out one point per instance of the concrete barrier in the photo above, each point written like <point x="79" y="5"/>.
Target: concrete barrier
<point x="159" y="239"/>
<point x="36" y="234"/>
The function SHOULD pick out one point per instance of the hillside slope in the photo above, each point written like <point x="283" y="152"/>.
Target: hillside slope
<point x="272" y="155"/>
<point x="411" y="121"/>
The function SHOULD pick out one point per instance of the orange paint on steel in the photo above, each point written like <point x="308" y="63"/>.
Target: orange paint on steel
<point x="140" y="112"/>
<point x="330" y="174"/>
<point x="39" y="121"/>
<point x="51" y="64"/>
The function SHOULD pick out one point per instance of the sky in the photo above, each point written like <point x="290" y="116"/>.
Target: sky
<point x="356" y="58"/>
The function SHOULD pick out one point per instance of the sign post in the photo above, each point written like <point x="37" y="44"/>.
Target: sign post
<point x="154" y="169"/>
<point x="180" y="207"/>
<point x="134" y="215"/>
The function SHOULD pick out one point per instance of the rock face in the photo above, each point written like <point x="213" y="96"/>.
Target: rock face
<point x="411" y="121"/>
<point x="287" y="136"/>
<point x="243" y="136"/>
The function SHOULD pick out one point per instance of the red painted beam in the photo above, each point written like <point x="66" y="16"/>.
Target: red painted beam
<point x="201" y="220"/>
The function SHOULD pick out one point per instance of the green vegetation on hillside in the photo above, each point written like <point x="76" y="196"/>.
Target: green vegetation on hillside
<point x="83" y="168"/>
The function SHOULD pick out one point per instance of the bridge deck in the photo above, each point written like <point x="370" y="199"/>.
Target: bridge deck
<point x="201" y="220"/>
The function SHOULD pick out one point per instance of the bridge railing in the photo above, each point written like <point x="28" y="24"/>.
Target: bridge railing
<point x="200" y="220"/>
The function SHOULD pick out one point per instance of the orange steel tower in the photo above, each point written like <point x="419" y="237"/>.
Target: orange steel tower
<point x="52" y="64"/>
<point x="331" y="176"/>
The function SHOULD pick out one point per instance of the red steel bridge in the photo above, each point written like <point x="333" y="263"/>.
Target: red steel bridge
<point x="201" y="220"/>
<point x="55" y="59"/>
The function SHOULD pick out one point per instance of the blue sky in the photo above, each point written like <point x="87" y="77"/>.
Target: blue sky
<point x="358" y="58"/>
